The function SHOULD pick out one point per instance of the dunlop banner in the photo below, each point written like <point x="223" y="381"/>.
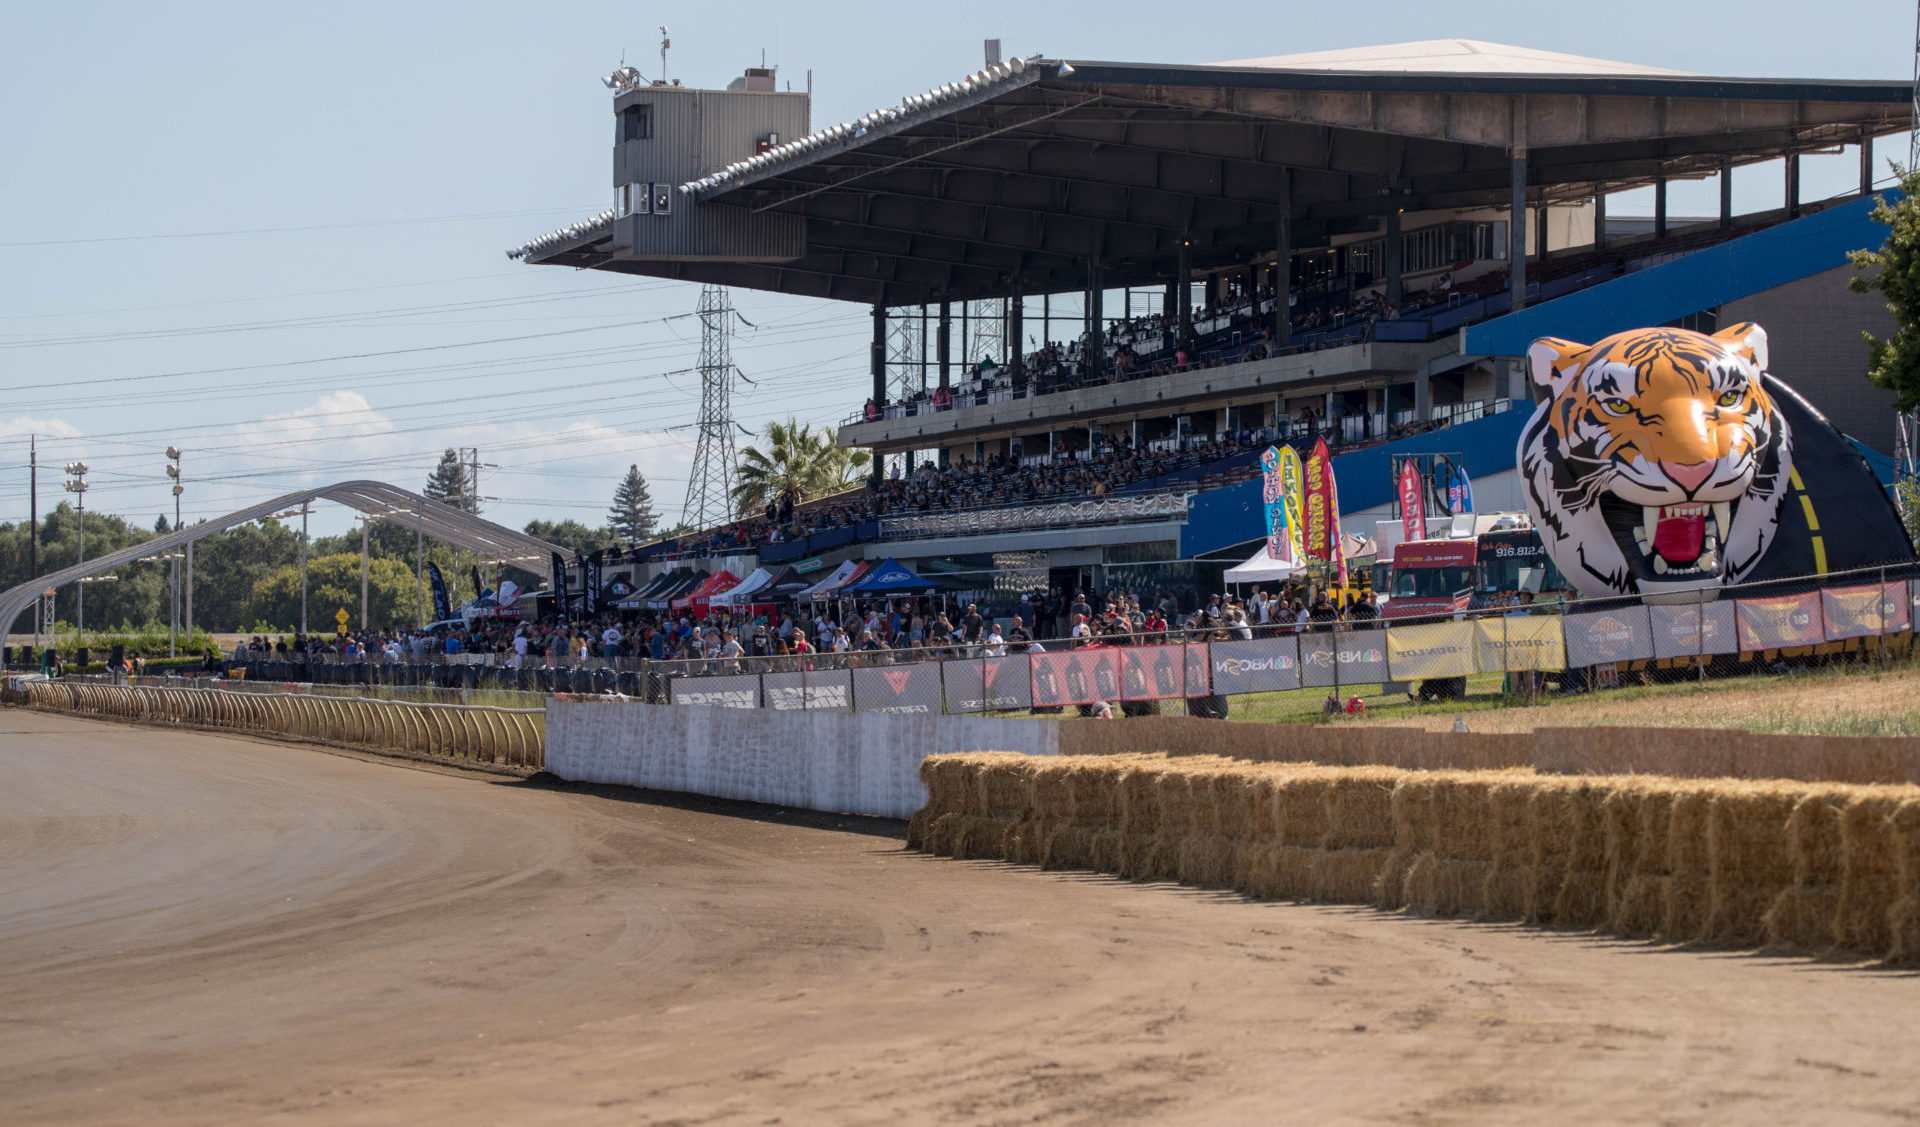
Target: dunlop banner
<point x="1781" y="621"/>
<point x="988" y="684"/>
<point x="1857" y="612"/>
<point x="1076" y="676"/>
<point x="1684" y="631"/>
<point x="1264" y="665"/>
<point x="1520" y="642"/>
<point x="1198" y="683"/>
<point x="897" y="688"/>
<point x="1443" y="649"/>
<point x="1153" y="673"/>
<point x="819" y="690"/>
<point x="1604" y="637"/>
<point x="740" y="691"/>
<point x="1362" y="656"/>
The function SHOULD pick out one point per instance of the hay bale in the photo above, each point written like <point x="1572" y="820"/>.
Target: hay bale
<point x="1345" y="876"/>
<point x="1360" y="809"/>
<point x="1870" y="879"/>
<point x="1510" y="875"/>
<point x="1806" y="916"/>
<point x="1903" y="916"/>
<point x="1639" y="818"/>
<point x="1570" y="858"/>
<point x="1749" y="862"/>
<point x="1689" y="885"/>
<point x="1004" y="786"/>
<point x="1413" y="804"/>
<point x="1302" y="808"/>
<point x="1138" y="791"/>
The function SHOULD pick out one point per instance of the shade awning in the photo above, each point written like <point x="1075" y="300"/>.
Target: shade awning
<point x="847" y="572"/>
<point x="891" y="578"/>
<point x="1262" y="568"/>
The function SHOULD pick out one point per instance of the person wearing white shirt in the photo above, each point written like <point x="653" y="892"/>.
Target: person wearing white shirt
<point x="519" y="649"/>
<point x="996" y="646"/>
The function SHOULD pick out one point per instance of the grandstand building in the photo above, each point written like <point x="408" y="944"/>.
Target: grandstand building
<point x="1191" y="261"/>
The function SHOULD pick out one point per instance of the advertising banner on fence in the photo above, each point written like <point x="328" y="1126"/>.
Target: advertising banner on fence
<point x="820" y="690"/>
<point x="1153" y="673"/>
<point x="1443" y="649"/>
<point x="898" y="688"/>
<point x="739" y="691"/>
<point x="1263" y="665"/>
<point x="1683" y="631"/>
<point x="1857" y="612"/>
<point x="1076" y="676"/>
<point x="1199" y="684"/>
<point x="1519" y="642"/>
<point x="988" y="684"/>
<point x="1604" y="637"/>
<point x="1362" y="656"/>
<point x="1781" y="621"/>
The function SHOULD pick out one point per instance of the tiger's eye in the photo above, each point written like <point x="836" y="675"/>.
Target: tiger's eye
<point x="1729" y="399"/>
<point x="1616" y="406"/>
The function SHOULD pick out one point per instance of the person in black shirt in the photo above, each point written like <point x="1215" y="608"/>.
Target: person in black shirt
<point x="970" y="625"/>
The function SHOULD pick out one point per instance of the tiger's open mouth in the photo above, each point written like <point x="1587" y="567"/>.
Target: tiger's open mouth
<point x="1671" y="546"/>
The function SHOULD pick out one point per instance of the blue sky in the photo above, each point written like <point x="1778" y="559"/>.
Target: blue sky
<point x="411" y="144"/>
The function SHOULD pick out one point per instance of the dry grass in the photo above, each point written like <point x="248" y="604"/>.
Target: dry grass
<point x="1792" y="866"/>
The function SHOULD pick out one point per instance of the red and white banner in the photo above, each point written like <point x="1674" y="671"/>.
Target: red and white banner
<point x="1413" y="502"/>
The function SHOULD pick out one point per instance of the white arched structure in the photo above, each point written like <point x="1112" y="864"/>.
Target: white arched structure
<point x="443" y="522"/>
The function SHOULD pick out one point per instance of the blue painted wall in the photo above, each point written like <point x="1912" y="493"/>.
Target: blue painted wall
<point x="1233" y="514"/>
<point x="1702" y="280"/>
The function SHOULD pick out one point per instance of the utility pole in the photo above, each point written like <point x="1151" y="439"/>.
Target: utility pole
<point x="305" y="508"/>
<point x="77" y="485"/>
<point x="33" y="528"/>
<point x="366" y="522"/>
<point x="173" y="563"/>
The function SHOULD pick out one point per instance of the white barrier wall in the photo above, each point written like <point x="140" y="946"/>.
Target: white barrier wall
<point x="835" y="762"/>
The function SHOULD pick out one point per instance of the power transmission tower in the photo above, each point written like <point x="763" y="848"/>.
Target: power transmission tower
<point x="989" y="332"/>
<point x="906" y="357"/>
<point x="710" y="487"/>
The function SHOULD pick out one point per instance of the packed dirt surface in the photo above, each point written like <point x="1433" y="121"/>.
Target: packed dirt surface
<point x="201" y="929"/>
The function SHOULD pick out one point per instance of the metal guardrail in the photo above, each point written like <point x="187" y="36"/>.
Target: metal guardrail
<point x="512" y="737"/>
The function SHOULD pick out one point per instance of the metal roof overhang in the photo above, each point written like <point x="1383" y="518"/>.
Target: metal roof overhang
<point x="1024" y="183"/>
<point x="432" y="518"/>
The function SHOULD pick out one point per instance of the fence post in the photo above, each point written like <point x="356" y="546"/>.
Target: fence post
<point x="1880" y="614"/>
<point x="1700" y="629"/>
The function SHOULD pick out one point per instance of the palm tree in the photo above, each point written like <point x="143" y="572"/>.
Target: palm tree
<point x="797" y="465"/>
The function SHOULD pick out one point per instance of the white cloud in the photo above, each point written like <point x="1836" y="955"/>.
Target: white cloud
<point x="22" y="425"/>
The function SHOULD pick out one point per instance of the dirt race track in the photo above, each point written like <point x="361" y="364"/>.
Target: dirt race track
<point x="204" y="929"/>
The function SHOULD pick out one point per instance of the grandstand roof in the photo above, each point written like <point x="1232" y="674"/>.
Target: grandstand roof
<point x="1019" y="174"/>
<point x="1450" y="56"/>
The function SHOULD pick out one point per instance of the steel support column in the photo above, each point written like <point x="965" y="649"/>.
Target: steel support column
<point x="1396" y="292"/>
<point x="1016" y="336"/>
<point x="1283" y="264"/>
<point x="1517" y="227"/>
<point x="1660" y="207"/>
<point x="1726" y="194"/>
<point x="1183" y="286"/>
<point x="945" y="346"/>
<point x="1096" y="319"/>
<point x="877" y="360"/>
<point x="1599" y="217"/>
<point x="1793" y="185"/>
<point x="1866" y="161"/>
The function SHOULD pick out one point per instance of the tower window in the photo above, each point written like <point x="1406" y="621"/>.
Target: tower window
<point x="636" y="123"/>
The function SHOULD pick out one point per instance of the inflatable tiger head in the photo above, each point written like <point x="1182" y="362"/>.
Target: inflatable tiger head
<point x="1656" y="462"/>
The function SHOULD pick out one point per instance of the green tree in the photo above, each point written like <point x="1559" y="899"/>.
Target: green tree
<point x="228" y="565"/>
<point x="572" y="536"/>
<point x="632" y="515"/>
<point x="333" y="584"/>
<point x="161" y="525"/>
<point x="797" y="465"/>
<point x="1894" y="272"/>
<point x="449" y="483"/>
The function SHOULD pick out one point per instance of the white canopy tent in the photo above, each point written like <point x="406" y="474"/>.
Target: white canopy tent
<point x="1262" y="568"/>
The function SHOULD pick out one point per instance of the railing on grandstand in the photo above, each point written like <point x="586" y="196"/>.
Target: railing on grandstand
<point x="1121" y="509"/>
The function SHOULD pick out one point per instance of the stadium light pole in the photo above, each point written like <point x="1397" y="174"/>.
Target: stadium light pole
<point x="77" y="485"/>
<point x="173" y="609"/>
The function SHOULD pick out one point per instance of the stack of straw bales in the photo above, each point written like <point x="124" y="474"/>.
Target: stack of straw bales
<point x="1818" y="868"/>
